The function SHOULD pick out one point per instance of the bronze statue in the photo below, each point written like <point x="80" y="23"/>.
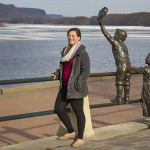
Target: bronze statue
<point x="120" y="52"/>
<point x="146" y="86"/>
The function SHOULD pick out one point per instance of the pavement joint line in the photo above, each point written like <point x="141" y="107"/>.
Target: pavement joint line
<point x="101" y="133"/>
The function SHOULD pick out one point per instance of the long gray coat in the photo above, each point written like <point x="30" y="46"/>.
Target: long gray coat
<point x="77" y="86"/>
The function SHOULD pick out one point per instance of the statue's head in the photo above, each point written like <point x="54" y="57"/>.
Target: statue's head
<point x="147" y="60"/>
<point x="120" y="34"/>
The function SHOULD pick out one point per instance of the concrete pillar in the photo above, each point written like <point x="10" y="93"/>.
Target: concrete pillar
<point x="88" y="125"/>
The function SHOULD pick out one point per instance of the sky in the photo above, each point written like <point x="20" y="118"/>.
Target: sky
<point x="89" y="8"/>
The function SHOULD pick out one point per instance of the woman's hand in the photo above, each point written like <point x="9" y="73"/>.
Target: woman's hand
<point x="52" y="75"/>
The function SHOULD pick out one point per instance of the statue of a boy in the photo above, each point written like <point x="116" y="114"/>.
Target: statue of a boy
<point x="146" y="86"/>
<point x="120" y="52"/>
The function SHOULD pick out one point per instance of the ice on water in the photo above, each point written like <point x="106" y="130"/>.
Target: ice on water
<point x="51" y="32"/>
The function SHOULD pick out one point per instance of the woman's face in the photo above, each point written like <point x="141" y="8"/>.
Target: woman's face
<point x="73" y="38"/>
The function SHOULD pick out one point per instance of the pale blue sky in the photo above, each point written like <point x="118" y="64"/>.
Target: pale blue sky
<point x="83" y="7"/>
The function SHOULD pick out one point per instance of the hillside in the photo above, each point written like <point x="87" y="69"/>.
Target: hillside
<point x="12" y="14"/>
<point x="32" y="12"/>
<point x="9" y="11"/>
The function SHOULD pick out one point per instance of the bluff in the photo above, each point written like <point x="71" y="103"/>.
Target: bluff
<point x="10" y="12"/>
<point x="32" y="12"/>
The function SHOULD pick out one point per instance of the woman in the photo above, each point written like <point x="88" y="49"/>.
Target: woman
<point x="73" y="73"/>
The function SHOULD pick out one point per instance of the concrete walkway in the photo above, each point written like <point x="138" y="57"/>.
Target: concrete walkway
<point x="36" y="131"/>
<point x="114" y="137"/>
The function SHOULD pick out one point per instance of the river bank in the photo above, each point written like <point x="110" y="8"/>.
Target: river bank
<point x="2" y="25"/>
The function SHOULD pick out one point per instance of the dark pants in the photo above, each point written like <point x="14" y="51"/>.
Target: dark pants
<point x="77" y="105"/>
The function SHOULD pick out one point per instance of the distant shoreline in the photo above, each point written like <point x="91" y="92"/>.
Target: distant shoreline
<point x="134" y="19"/>
<point x="11" y="14"/>
<point x="2" y="25"/>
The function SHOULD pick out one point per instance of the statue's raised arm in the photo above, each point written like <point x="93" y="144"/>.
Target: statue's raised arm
<point x="101" y="15"/>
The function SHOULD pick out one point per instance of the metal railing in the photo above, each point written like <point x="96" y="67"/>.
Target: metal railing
<point x="49" y="112"/>
<point x="28" y="115"/>
<point x="42" y="79"/>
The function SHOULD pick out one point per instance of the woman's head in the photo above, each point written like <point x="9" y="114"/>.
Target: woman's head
<point x="74" y="35"/>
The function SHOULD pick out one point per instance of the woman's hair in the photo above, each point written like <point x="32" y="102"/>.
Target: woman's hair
<point x="78" y="32"/>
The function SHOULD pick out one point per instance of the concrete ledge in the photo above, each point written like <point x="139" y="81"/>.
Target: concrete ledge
<point x="100" y="134"/>
<point x="29" y="87"/>
<point x="45" y="85"/>
<point x="94" y="79"/>
<point x="118" y="129"/>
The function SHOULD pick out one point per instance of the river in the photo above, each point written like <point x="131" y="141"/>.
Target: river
<point x="30" y="51"/>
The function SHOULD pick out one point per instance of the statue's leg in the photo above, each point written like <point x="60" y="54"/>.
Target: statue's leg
<point x="127" y="87"/>
<point x="119" y="87"/>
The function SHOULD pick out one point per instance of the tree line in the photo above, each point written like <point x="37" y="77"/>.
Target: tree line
<point x="133" y="19"/>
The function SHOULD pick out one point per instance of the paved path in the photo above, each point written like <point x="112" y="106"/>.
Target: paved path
<point x="133" y="135"/>
<point x="139" y="140"/>
<point x="16" y="131"/>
